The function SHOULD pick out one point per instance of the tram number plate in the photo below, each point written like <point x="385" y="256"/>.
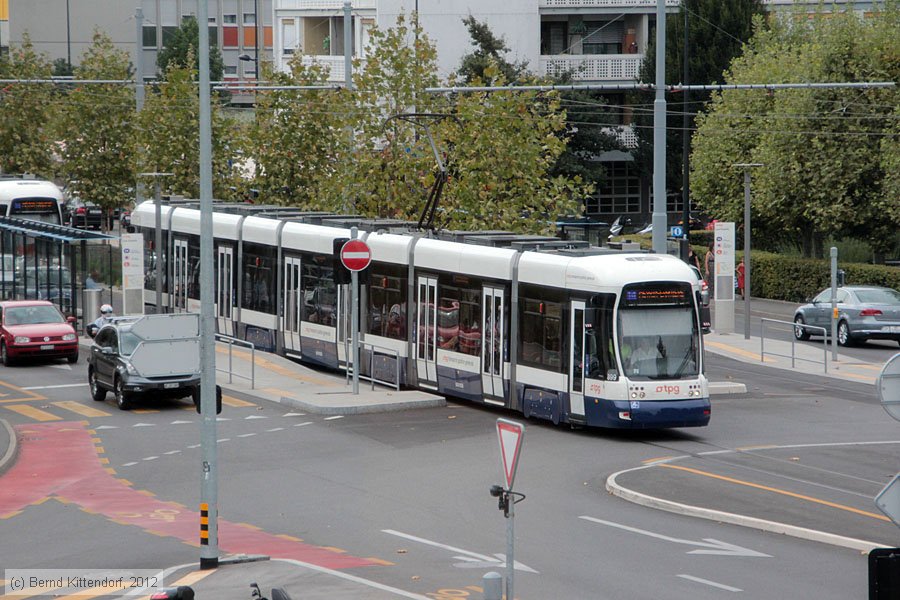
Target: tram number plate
<point x="47" y="347"/>
<point x="170" y="386"/>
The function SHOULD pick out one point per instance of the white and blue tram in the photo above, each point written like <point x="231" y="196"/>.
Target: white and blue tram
<point x="586" y="337"/>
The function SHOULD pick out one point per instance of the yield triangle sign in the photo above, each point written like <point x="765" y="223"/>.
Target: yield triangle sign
<point x="511" y="435"/>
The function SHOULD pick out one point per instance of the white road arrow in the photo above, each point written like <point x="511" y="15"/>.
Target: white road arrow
<point x="470" y="559"/>
<point x="707" y="546"/>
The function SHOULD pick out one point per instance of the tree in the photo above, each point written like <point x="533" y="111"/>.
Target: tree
<point x="717" y="30"/>
<point x="183" y="49"/>
<point x="489" y="50"/>
<point x="62" y="68"/>
<point x="96" y="127"/>
<point x="169" y="133"/>
<point x="822" y="148"/>
<point x="298" y="138"/>
<point x="26" y="112"/>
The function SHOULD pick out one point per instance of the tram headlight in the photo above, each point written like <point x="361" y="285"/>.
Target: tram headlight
<point x="634" y="394"/>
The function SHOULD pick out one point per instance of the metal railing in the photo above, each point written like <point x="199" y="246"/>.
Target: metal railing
<point x="793" y="355"/>
<point x="231" y="341"/>
<point x="373" y="350"/>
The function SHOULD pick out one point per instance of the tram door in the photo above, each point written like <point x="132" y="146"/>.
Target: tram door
<point x="290" y="319"/>
<point x="493" y="342"/>
<point x="426" y="331"/>
<point x="343" y="331"/>
<point x="225" y="289"/>
<point x="577" y="355"/>
<point x="179" y="290"/>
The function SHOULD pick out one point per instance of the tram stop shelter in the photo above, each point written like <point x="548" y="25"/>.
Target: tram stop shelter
<point x="52" y="262"/>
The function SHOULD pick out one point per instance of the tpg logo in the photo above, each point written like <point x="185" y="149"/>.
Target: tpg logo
<point x="668" y="389"/>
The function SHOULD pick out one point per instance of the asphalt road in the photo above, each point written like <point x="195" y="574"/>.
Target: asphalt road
<point x="402" y="498"/>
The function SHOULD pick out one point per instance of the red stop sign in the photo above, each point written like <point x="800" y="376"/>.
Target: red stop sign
<point x="356" y="255"/>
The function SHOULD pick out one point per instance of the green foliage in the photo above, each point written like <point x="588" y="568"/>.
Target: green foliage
<point x="26" y="112"/>
<point x="489" y="52"/>
<point x="183" y="49"/>
<point x="297" y="138"/>
<point x="96" y="128"/>
<point x="62" y="68"/>
<point x="169" y="134"/>
<point x="824" y="172"/>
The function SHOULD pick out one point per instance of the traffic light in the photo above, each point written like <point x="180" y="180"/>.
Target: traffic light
<point x="196" y="396"/>
<point x="341" y="273"/>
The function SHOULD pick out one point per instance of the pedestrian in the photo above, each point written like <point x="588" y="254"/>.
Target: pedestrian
<point x="106" y="315"/>
<point x="693" y="260"/>
<point x="740" y="278"/>
<point x="709" y="264"/>
<point x="91" y="282"/>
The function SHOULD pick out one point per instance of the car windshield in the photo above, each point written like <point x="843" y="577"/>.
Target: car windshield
<point x="875" y="296"/>
<point x="32" y="315"/>
<point x="127" y="342"/>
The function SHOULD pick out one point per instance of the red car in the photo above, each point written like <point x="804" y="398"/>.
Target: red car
<point x="35" y="329"/>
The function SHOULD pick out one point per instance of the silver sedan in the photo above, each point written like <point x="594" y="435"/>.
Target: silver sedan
<point x="863" y="313"/>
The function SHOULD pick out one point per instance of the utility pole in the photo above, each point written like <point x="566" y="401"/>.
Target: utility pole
<point x="659" y="134"/>
<point x="139" y="100"/>
<point x="350" y="202"/>
<point x="209" y="492"/>
<point x="158" y="244"/>
<point x="686" y="146"/>
<point x="747" y="288"/>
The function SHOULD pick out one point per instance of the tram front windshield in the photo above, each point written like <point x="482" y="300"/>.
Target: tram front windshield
<point x="658" y="339"/>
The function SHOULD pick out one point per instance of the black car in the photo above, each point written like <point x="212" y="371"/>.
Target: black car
<point x="84" y="215"/>
<point x="123" y="362"/>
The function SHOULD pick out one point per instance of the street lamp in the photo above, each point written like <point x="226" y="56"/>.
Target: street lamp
<point x="747" y="167"/>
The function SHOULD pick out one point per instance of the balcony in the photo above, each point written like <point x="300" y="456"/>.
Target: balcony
<point x="625" y="134"/>
<point x="329" y="5"/>
<point x="593" y="67"/>
<point x="604" y="3"/>
<point x="335" y="64"/>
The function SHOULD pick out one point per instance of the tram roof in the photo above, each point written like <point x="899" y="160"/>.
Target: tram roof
<point x="50" y="231"/>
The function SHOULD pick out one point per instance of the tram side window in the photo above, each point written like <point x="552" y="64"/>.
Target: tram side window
<point x="459" y="317"/>
<point x="387" y="302"/>
<point x="319" y="292"/>
<point x="258" y="285"/>
<point x="193" y="282"/>
<point x="600" y="355"/>
<point x="541" y="333"/>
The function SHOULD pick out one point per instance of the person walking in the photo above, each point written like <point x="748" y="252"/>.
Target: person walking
<point x="709" y="264"/>
<point x="740" y="278"/>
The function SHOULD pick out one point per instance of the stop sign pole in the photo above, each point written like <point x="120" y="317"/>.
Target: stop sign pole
<point x="356" y="256"/>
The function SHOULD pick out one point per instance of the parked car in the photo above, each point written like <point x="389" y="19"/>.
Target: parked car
<point x="46" y="282"/>
<point x="35" y="329"/>
<point x="154" y="355"/>
<point x="705" y="316"/>
<point x="864" y="313"/>
<point x="84" y="215"/>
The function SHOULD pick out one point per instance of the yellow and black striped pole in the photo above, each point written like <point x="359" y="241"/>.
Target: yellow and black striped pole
<point x="204" y="524"/>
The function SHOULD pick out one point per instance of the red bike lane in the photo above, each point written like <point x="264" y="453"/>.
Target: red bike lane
<point x="63" y="461"/>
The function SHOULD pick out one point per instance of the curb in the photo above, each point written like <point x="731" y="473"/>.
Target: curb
<point x="721" y="388"/>
<point x="12" y="449"/>
<point x="615" y="489"/>
<point x="362" y="409"/>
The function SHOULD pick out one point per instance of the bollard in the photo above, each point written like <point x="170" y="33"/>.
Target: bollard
<point x="492" y="584"/>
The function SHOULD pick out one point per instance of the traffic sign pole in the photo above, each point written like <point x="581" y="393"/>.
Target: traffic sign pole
<point x="354" y="317"/>
<point x="511" y="435"/>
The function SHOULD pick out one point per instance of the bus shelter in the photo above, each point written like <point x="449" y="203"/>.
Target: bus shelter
<point x="44" y="261"/>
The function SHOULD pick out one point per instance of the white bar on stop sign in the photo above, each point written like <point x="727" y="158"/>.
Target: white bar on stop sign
<point x="352" y="255"/>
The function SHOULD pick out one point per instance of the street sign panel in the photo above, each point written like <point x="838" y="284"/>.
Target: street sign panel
<point x="676" y="231"/>
<point x="888" y="500"/>
<point x="511" y="435"/>
<point x="356" y="255"/>
<point x="888" y="386"/>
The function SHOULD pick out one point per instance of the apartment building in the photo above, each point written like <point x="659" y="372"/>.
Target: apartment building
<point x="64" y="28"/>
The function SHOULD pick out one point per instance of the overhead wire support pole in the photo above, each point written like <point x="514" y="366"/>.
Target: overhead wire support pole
<point x="209" y="538"/>
<point x="658" y="221"/>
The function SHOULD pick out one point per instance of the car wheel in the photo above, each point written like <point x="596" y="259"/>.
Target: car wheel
<point x="122" y="400"/>
<point x="843" y="334"/>
<point x="5" y="357"/>
<point x="97" y="393"/>
<point x="800" y="333"/>
<point x="73" y="358"/>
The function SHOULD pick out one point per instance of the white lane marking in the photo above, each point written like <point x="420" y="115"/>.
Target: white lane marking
<point x="144" y="425"/>
<point x="471" y="559"/>
<point x="150" y="458"/>
<point x="219" y="441"/>
<point x="333" y="418"/>
<point x="131" y="464"/>
<point x="180" y="422"/>
<point x="721" y="586"/>
<point x="355" y="579"/>
<point x="222" y="419"/>
<point x="246" y="435"/>
<point x="64" y="367"/>
<point x="275" y="429"/>
<point x="172" y="452"/>
<point x="106" y="427"/>
<point x="194" y="446"/>
<point x="294" y="415"/>
<point x="54" y="387"/>
<point x="255" y="417"/>
<point x="707" y="546"/>
<point x="304" y="423"/>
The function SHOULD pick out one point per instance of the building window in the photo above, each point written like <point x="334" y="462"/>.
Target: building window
<point x="229" y="19"/>
<point x="602" y="37"/>
<point x="249" y="19"/>
<point x="230" y="37"/>
<point x="149" y="36"/>
<point x="620" y="191"/>
<point x="554" y="37"/>
<point x="213" y="36"/>
<point x="231" y="70"/>
<point x="675" y="203"/>
<point x="167" y="33"/>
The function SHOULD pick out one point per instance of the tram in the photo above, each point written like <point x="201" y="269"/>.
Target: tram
<point x="555" y="330"/>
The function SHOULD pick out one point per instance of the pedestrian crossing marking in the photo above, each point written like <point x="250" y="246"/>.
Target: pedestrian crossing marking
<point x="235" y="402"/>
<point x="82" y="409"/>
<point x="33" y="413"/>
